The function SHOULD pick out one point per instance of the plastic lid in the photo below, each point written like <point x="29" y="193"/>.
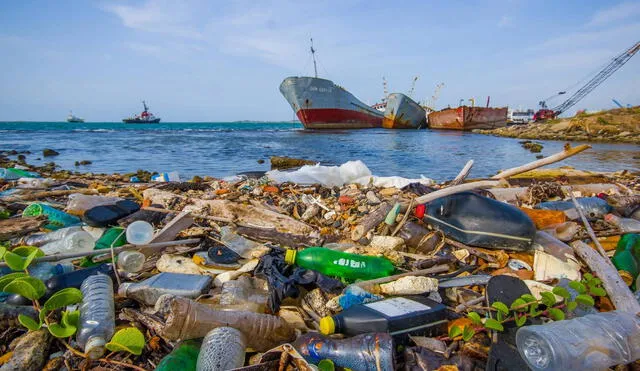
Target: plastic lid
<point x="290" y="256"/>
<point x="95" y="347"/>
<point x="327" y="325"/>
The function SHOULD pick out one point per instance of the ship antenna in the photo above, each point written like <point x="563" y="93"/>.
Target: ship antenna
<point x="313" y="54"/>
<point x="144" y="104"/>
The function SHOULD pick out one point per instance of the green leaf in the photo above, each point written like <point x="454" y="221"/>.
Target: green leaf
<point x="6" y="279"/>
<point x="586" y="300"/>
<point x="556" y="314"/>
<point x="492" y="324"/>
<point x="29" y="322"/>
<point x="71" y="318"/>
<point x="454" y="332"/>
<point x="561" y="291"/>
<point x="29" y="287"/>
<point x="521" y="320"/>
<point x="533" y="311"/>
<point x="19" y="258"/>
<point x="519" y="303"/>
<point x="63" y="298"/>
<point x="596" y="282"/>
<point x="597" y="291"/>
<point x="499" y="316"/>
<point x="468" y="333"/>
<point x="571" y="306"/>
<point x="588" y="276"/>
<point x="61" y="331"/>
<point x="501" y="307"/>
<point x="548" y="298"/>
<point x="528" y="298"/>
<point x="475" y="318"/>
<point x="128" y="339"/>
<point x="3" y="250"/>
<point x="579" y="287"/>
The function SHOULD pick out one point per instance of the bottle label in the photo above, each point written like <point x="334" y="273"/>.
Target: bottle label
<point x="397" y="307"/>
<point x="351" y="263"/>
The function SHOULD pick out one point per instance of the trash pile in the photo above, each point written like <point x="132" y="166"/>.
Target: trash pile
<point x="339" y="270"/>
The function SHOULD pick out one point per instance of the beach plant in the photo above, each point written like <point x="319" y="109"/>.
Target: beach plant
<point x="552" y="304"/>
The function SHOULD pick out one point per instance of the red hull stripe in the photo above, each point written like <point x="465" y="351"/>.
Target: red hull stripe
<point x="334" y="118"/>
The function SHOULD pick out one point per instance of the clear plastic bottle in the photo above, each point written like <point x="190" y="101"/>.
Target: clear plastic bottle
<point x="79" y="203"/>
<point x="97" y="315"/>
<point x="139" y="232"/>
<point x="222" y="349"/>
<point x="251" y="294"/>
<point x="79" y="241"/>
<point x="39" y="239"/>
<point x="240" y="245"/>
<point x="34" y="183"/>
<point x="626" y="225"/>
<point x="180" y="284"/>
<point x="593" y="342"/>
<point x="131" y="261"/>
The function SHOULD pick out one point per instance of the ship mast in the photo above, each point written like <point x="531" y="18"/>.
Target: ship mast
<point x="144" y="104"/>
<point x="313" y="54"/>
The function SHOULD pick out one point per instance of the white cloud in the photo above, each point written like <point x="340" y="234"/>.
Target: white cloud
<point x="619" y="12"/>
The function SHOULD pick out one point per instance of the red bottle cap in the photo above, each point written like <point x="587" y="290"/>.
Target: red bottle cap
<point x="420" y="210"/>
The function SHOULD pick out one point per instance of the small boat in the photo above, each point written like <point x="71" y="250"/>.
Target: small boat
<point x="468" y="118"/>
<point x="72" y="118"/>
<point x="403" y="112"/>
<point x="145" y="117"/>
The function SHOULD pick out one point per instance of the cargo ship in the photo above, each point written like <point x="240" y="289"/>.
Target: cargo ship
<point x="145" y="117"/>
<point x="321" y="104"/>
<point x="468" y="118"/>
<point x="403" y="112"/>
<point x="74" y="118"/>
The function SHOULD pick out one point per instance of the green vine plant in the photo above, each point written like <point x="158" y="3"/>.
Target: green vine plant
<point x="20" y="282"/>
<point x="527" y="306"/>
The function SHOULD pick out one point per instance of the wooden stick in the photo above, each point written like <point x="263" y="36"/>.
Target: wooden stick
<point x="199" y="216"/>
<point x="38" y="195"/>
<point x="463" y="173"/>
<point x="588" y="227"/>
<point x="422" y="272"/>
<point x="618" y="291"/>
<point x="568" y="152"/>
<point x="404" y="218"/>
<point x="456" y="189"/>
<point x="371" y="220"/>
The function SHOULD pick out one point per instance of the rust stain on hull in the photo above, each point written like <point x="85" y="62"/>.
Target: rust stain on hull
<point x="468" y="118"/>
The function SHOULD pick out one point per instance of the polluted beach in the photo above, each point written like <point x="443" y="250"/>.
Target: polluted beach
<point x="436" y="226"/>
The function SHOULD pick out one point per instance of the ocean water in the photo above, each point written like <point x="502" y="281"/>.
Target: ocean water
<point x="221" y="149"/>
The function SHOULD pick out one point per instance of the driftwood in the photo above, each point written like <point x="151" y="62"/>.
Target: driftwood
<point x="618" y="291"/>
<point x="179" y="223"/>
<point x="371" y="220"/>
<point x="568" y="152"/>
<point x="282" y="238"/>
<point x="463" y="173"/>
<point x="39" y="195"/>
<point x="513" y="194"/>
<point x="18" y="227"/>
<point x="456" y="189"/>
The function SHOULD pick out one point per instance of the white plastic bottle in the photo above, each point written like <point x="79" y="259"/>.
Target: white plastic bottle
<point x="79" y="241"/>
<point x="139" y="232"/>
<point x="39" y="239"/>
<point x="222" y="349"/>
<point x="593" y="342"/>
<point x="97" y="315"/>
<point x="626" y="225"/>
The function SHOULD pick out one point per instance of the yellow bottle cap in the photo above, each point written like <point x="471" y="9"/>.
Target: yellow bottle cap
<point x="290" y="256"/>
<point x="327" y="325"/>
<point x="626" y="277"/>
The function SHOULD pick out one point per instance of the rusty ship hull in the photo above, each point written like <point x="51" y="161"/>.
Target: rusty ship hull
<point x="403" y="112"/>
<point x="468" y="118"/>
<point x="321" y="104"/>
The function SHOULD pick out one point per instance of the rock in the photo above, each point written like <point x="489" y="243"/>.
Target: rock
<point x="261" y="161"/>
<point x="363" y="209"/>
<point x="48" y="152"/>
<point x="387" y="242"/>
<point x="410" y="285"/>
<point x="389" y="192"/>
<point x="288" y="162"/>
<point x="532" y="147"/>
<point x="372" y="199"/>
<point x="30" y="351"/>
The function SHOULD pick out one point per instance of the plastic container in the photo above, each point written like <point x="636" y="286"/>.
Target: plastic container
<point x="222" y="349"/>
<point x="398" y="316"/>
<point x="39" y="239"/>
<point x="367" y="352"/>
<point x="79" y="241"/>
<point x="627" y="258"/>
<point x="139" y="233"/>
<point x="13" y="174"/>
<point x="149" y="290"/>
<point x="109" y="215"/>
<point x="183" y="357"/>
<point x="173" y="176"/>
<point x="626" y="225"/>
<point x="593" y="342"/>
<point x="131" y="261"/>
<point x="593" y="208"/>
<point x="187" y="319"/>
<point x="97" y="315"/>
<point x="57" y="219"/>
<point x="480" y="221"/>
<point x="79" y="203"/>
<point x="340" y="264"/>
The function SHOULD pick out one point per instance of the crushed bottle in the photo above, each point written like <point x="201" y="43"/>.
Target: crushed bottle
<point x="179" y="284"/>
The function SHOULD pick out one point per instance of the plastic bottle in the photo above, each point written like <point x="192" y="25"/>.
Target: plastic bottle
<point x="593" y="342"/>
<point x="627" y="257"/>
<point x="13" y="174"/>
<point x="222" y="349"/>
<point x="398" y="315"/>
<point x="42" y="271"/>
<point x="139" y="233"/>
<point x="187" y="319"/>
<point x="245" y="293"/>
<point x="240" y="245"/>
<point x="57" y="219"/>
<point x="79" y="241"/>
<point x="626" y="225"/>
<point x="179" y="284"/>
<point x="39" y="239"/>
<point x="75" y="278"/>
<point x="113" y="236"/>
<point x="79" y="203"/>
<point x="34" y="183"/>
<point x="367" y="352"/>
<point x="480" y="221"/>
<point x="340" y="264"/>
<point x="97" y="315"/>
<point x="592" y="207"/>
<point x="184" y="357"/>
<point x="131" y="261"/>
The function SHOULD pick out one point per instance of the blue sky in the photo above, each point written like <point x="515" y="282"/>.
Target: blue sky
<point x="198" y="60"/>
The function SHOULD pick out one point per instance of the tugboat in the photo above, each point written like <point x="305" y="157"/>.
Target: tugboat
<point x="72" y="118"/>
<point x="145" y="117"/>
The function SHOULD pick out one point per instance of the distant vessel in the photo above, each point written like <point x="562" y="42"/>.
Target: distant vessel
<point x="72" y="118"/>
<point x="403" y="112"/>
<point x="468" y="118"/>
<point x="520" y="116"/>
<point x="321" y="104"/>
<point x="145" y="117"/>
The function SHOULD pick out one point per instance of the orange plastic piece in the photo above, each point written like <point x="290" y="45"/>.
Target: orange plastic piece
<point x="545" y="218"/>
<point x="271" y="189"/>
<point x="221" y="191"/>
<point x="346" y="200"/>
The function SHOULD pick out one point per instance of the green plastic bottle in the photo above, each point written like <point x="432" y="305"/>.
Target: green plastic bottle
<point x="184" y="357"/>
<point x="340" y="264"/>
<point x="627" y="258"/>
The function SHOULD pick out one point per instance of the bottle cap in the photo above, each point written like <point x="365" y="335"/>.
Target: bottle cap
<point x="290" y="256"/>
<point x="327" y="325"/>
<point x="626" y="277"/>
<point x="95" y="347"/>
<point x="420" y="210"/>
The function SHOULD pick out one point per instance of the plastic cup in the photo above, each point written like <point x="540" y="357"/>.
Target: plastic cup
<point x="139" y="232"/>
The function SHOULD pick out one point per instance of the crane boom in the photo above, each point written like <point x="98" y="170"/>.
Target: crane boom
<point x="612" y="67"/>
